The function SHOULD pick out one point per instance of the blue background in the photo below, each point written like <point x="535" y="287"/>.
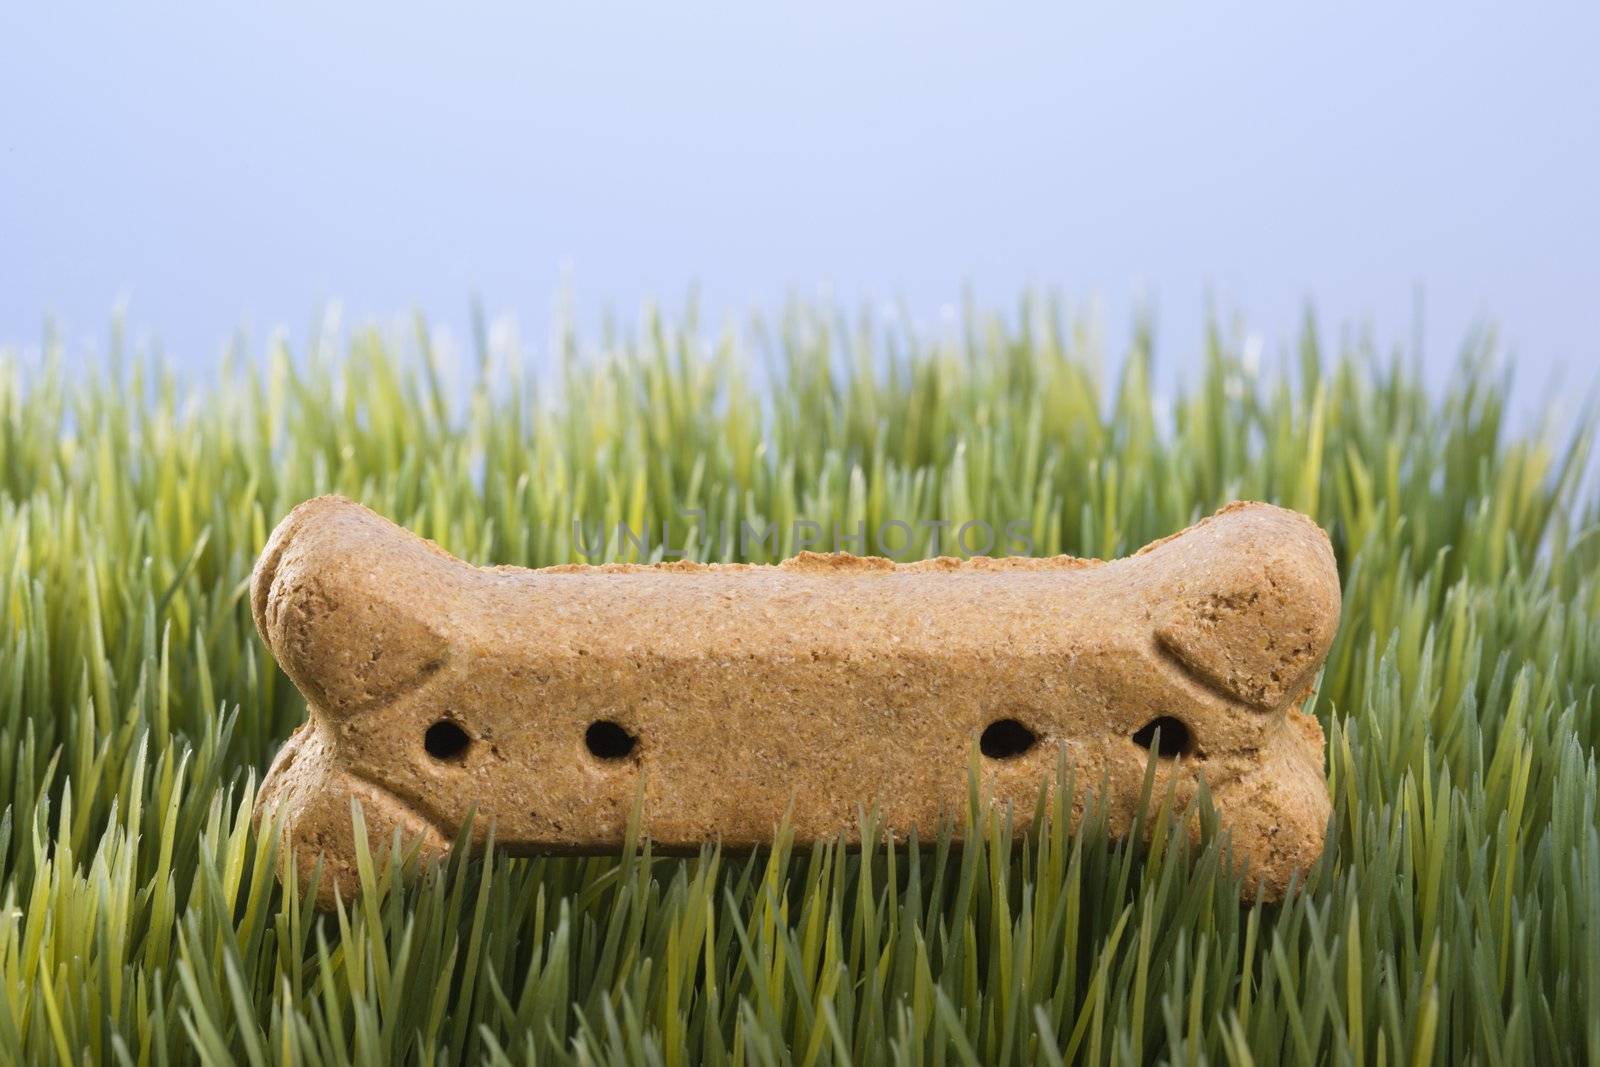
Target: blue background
<point x="228" y="169"/>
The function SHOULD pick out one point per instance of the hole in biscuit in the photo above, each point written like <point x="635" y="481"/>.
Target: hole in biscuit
<point x="608" y="741"/>
<point x="1006" y="739"/>
<point x="446" y="741"/>
<point x="1175" y="739"/>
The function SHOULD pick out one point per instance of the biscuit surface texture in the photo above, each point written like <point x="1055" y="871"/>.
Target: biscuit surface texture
<point x="727" y="696"/>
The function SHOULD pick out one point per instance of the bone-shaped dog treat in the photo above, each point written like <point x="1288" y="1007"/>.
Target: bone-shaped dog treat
<point x="814" y="688"/>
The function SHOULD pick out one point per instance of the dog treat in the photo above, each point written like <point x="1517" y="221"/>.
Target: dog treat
<point x="734" y="694"/>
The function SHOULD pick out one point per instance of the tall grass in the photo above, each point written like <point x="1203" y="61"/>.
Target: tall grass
<point x="1455" y="915"/>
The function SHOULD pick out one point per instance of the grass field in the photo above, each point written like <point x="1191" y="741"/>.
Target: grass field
<point x="1454" y="917"/>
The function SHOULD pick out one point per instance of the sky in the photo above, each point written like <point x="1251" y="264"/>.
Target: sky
<point x="226" y="170"/>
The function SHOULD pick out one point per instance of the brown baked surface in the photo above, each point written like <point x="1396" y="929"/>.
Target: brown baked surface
<point x="813" y="689"/>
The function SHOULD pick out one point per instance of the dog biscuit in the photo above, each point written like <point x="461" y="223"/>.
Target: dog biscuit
<point x="724" y="698"/>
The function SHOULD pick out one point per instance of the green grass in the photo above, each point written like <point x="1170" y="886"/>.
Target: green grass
<point x="1455" y="915"/>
